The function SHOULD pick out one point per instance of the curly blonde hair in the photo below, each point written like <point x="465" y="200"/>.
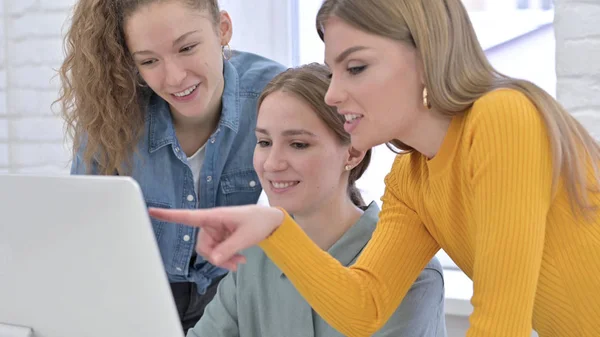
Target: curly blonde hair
<point x="100" y="99"/>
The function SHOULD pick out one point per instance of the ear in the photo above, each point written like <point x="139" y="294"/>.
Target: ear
<point x="420" y="66"/>
<point x="354" y="157"/>
<point x="225" y="28"/>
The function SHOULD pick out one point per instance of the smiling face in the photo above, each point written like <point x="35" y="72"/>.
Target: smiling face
<point x="299" y="160"/>
<point x="178" y="53"/>
<point x="376" y="84"/>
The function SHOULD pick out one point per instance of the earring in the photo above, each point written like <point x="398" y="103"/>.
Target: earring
<point x="348" y="167"/>
<point x="226" y="50"/>
<point x="426" y="99"/>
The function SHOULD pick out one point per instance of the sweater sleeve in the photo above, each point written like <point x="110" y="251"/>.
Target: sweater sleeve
<point x="357" y="300"/>
<point x="511" y="172"/>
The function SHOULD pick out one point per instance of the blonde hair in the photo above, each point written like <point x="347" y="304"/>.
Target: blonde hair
<point x="457" y="73"/>
<point x="100" y="98"/>
<point x="309" y="83"/>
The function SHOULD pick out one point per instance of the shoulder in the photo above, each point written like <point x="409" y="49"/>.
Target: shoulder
<point x="504" y="108"/>
<point x="503" y="121"/>
<point x="254" y="71"/>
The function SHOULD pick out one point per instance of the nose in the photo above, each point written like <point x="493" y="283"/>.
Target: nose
<point x="275" y="161"/>
<point x="335" y="95"/>
<point x="174" y="73"/>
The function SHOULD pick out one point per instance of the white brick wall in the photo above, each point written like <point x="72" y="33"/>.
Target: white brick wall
<point x="578" y="60"/>
<point x="30" y="49"/>
<point x="31" y="137"/>
<point x="4" y="162"/>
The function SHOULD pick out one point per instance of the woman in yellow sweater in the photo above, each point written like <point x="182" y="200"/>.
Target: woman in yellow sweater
<point x="493" y="170"/>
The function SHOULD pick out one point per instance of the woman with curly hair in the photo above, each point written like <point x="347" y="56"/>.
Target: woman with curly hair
<point x="151" y="90"/>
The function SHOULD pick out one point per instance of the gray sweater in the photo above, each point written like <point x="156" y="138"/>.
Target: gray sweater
<point x="259" y="301"/>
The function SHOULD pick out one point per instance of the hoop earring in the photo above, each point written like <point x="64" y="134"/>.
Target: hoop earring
<point x="426" y="99"/>
<point x="226" y="51"/>
<point x="348" y="167"/>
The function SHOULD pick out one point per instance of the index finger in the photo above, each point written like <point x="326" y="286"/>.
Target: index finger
<point x="194" y="218"/>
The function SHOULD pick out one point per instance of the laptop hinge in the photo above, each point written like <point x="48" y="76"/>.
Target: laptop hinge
<point x="7" y="330"/>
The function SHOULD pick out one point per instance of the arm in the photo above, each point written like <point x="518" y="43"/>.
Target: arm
<point x="421" y="313"/>
<point x="511" y="172"/>
<point x="357" y="301"/>
<point x="220" y="316"/>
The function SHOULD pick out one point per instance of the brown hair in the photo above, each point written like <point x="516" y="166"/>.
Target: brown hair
<point x="100" y="99"/>
<point x="310" y="83"/>
<point x="457" y="73"/>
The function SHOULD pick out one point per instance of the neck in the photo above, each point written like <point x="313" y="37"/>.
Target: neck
<point x="193" y="132"/>
<point x="428" y="134"/>
<point x="326" y="225"/>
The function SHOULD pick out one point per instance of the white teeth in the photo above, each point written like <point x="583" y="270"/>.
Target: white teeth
<point x="186" y="92"/>
<point x="351" y="117"/>
<point x="283" y="184"/>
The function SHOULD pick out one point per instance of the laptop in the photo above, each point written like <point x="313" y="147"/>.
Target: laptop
<point x="78" y="258"/>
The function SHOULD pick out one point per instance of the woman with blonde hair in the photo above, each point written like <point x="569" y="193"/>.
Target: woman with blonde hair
<point x="150" y="89"/>
<point x="492" y="170"/>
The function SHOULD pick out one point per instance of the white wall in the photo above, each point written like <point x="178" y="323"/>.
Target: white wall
<point x="578" y="59"/>
<point x="261" y="26"/>
<point x="31" y="137"/>
<point x="530" y="57"/>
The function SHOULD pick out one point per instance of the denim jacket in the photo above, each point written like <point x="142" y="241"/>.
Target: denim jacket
<point x="227" y="176"/>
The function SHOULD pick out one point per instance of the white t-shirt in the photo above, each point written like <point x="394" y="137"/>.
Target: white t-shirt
<point x="196" y="161"/>
<point x="263" y="199"/>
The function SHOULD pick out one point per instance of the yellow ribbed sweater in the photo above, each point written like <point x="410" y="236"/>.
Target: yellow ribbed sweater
<point x="485" y="199"/>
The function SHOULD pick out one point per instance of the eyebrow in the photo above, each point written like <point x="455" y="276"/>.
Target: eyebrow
<point x="341" y="57"/>
<point x="178" y="40"/>
<point x="291" y="132"/>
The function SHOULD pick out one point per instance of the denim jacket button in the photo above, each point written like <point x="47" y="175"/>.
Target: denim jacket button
<point x="252" y="183"/>
<point x="186" y="238"/>
<point x="209" y="179"/>
<point x="190" y="197"/>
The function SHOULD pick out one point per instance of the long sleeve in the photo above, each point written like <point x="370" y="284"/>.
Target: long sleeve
<point x="220" y="318"/>
<point x="511" y="183"/>
<point x="357" y="300"/>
